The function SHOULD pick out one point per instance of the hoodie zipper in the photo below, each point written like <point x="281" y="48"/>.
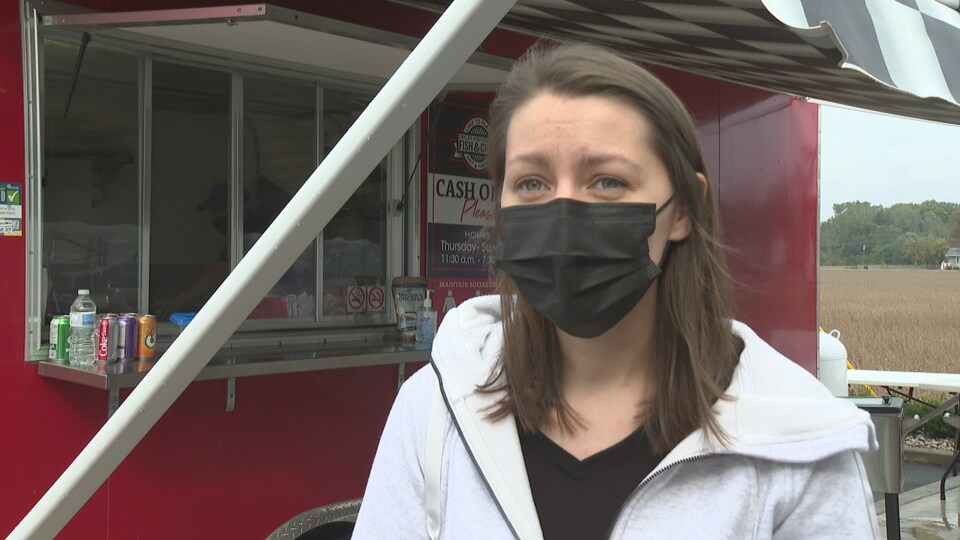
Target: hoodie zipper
<point x="473" y="458"/>
<point x="647" y="480"/>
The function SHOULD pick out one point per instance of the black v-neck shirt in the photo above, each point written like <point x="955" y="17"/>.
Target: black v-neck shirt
<point x="579" y="500"/>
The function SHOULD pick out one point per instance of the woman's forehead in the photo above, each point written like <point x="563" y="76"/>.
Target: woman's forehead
<point x="593" y="128"/>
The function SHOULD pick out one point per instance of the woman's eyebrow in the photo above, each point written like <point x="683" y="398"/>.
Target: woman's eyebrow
<point x="586" y="160"/>
<point x="594" y="160"/>
<point x="531" y="159"/>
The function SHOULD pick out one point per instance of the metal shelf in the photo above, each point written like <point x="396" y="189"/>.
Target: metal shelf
<point x="247" y="363"/>
<point x="250" y="362"/>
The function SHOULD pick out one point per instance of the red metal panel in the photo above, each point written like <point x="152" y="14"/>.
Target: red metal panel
<point x="11" y="170"/>
<point x="702" y="98"/>
<point x="294" y="442"/>
<point x="761" y="152"/>
<point x="45" y="423"/>
<point x="768" y="199"/>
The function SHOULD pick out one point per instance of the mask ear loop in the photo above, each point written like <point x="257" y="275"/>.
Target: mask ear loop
<point x="666" y="256"/>
<point x="666" y="249"/>
<point x="665" y="204"/>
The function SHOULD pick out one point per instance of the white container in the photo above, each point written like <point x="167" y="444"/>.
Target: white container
<point x="832" y="363"/>
<point x="427" y="326"/>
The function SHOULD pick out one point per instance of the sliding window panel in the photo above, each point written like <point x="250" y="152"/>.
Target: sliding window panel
<point x="189" y="191"/>
<point x="90" y="181"/>
<point x="354" y="242"/>
<point x="279" y="154"/>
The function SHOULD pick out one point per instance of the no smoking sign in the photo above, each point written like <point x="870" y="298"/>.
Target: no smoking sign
<point x="376" y="298"/>
<point x="356" y="299"/>
<point x="366" y="299"/>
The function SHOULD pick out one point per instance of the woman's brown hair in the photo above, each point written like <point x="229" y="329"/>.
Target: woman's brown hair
<point x="696" y="349"/>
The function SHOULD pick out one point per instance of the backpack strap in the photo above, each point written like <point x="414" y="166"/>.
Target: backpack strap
<point x="434" y="463"/>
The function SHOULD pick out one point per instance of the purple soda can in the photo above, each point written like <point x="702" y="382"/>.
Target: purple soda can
<point x="127" y="327"/>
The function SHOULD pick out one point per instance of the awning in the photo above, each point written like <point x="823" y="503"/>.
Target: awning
<point x="894" y="56"/>
<point x="272" y="36"/>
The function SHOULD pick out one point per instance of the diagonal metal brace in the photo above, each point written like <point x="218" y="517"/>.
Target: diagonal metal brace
<point x="910" y="425"/>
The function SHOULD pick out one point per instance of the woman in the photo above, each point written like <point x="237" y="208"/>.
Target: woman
<point x="606" y="393"/>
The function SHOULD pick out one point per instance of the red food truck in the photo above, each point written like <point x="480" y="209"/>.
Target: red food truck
<point x="276" y="166"/>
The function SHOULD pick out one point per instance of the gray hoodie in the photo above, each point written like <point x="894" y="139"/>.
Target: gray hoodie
<point x="791" y="469"/>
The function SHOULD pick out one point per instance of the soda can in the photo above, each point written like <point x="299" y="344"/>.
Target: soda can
<point x="127" y="332"/>
<point x="147" y="337"/>
<point x="59" y="334"/>
<point x="107" y="338"/>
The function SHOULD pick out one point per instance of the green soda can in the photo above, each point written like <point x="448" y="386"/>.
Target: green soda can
<point x="59" y="333"/>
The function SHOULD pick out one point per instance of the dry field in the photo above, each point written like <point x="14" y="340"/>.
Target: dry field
<point x="901" y="320"/>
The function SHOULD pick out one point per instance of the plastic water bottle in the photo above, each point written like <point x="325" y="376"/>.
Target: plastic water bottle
<point x="83" y="315"/>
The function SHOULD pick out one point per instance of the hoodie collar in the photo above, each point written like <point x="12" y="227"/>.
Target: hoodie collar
<point x="464" y="353"/>
<point x="774" y="409"/>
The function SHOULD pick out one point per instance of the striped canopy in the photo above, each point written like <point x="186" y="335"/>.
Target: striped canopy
<point x="895" y="56"/>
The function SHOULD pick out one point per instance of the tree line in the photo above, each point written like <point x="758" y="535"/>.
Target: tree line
<point x="903" y="234"/>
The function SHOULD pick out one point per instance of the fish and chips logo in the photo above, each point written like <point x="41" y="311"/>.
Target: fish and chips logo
<point x="470" y="143"/>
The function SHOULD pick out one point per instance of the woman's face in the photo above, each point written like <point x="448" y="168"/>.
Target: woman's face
<point x="591" y="149"/>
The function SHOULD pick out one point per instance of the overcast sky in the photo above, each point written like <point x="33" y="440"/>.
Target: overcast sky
<point x="885" y="159"/>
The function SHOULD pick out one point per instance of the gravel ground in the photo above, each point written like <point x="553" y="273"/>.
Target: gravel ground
<point x="919" y="440"/>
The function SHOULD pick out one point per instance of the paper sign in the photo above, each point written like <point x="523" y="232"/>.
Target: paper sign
<point x="376" y="298"/>
<point x="460" y="202"/>
<point x="11" y="210"/>
<point x="459" y="199"/>
<point x="356" y="299"/>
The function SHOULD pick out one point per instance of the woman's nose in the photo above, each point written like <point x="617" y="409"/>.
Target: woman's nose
<point x="567" y="189"/>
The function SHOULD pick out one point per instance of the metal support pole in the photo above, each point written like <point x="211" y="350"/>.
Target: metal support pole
<point x="946" y="474"/>
<point x="445" y="48"/>
<point x="891" y="502"/>
<point x="113" y="401"/>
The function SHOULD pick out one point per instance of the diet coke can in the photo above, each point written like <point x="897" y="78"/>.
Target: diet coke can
<point x="107" y="338"/>
<point x="127" y="333"/>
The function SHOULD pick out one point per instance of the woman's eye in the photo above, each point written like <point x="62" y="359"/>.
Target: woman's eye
<point x="530" y="184"/>
<point x="610" y="182"/>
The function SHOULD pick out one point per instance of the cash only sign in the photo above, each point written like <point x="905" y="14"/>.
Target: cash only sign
<point x="460" y="202"/>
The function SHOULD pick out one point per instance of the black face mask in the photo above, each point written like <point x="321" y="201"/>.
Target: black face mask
<point x="582" y="265"/>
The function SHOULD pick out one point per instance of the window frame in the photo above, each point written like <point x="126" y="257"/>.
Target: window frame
<point x="254" y="332"/>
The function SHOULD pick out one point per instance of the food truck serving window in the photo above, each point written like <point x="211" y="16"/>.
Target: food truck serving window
<point x="95" y="184"/>
<point x="163" y="172"/>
